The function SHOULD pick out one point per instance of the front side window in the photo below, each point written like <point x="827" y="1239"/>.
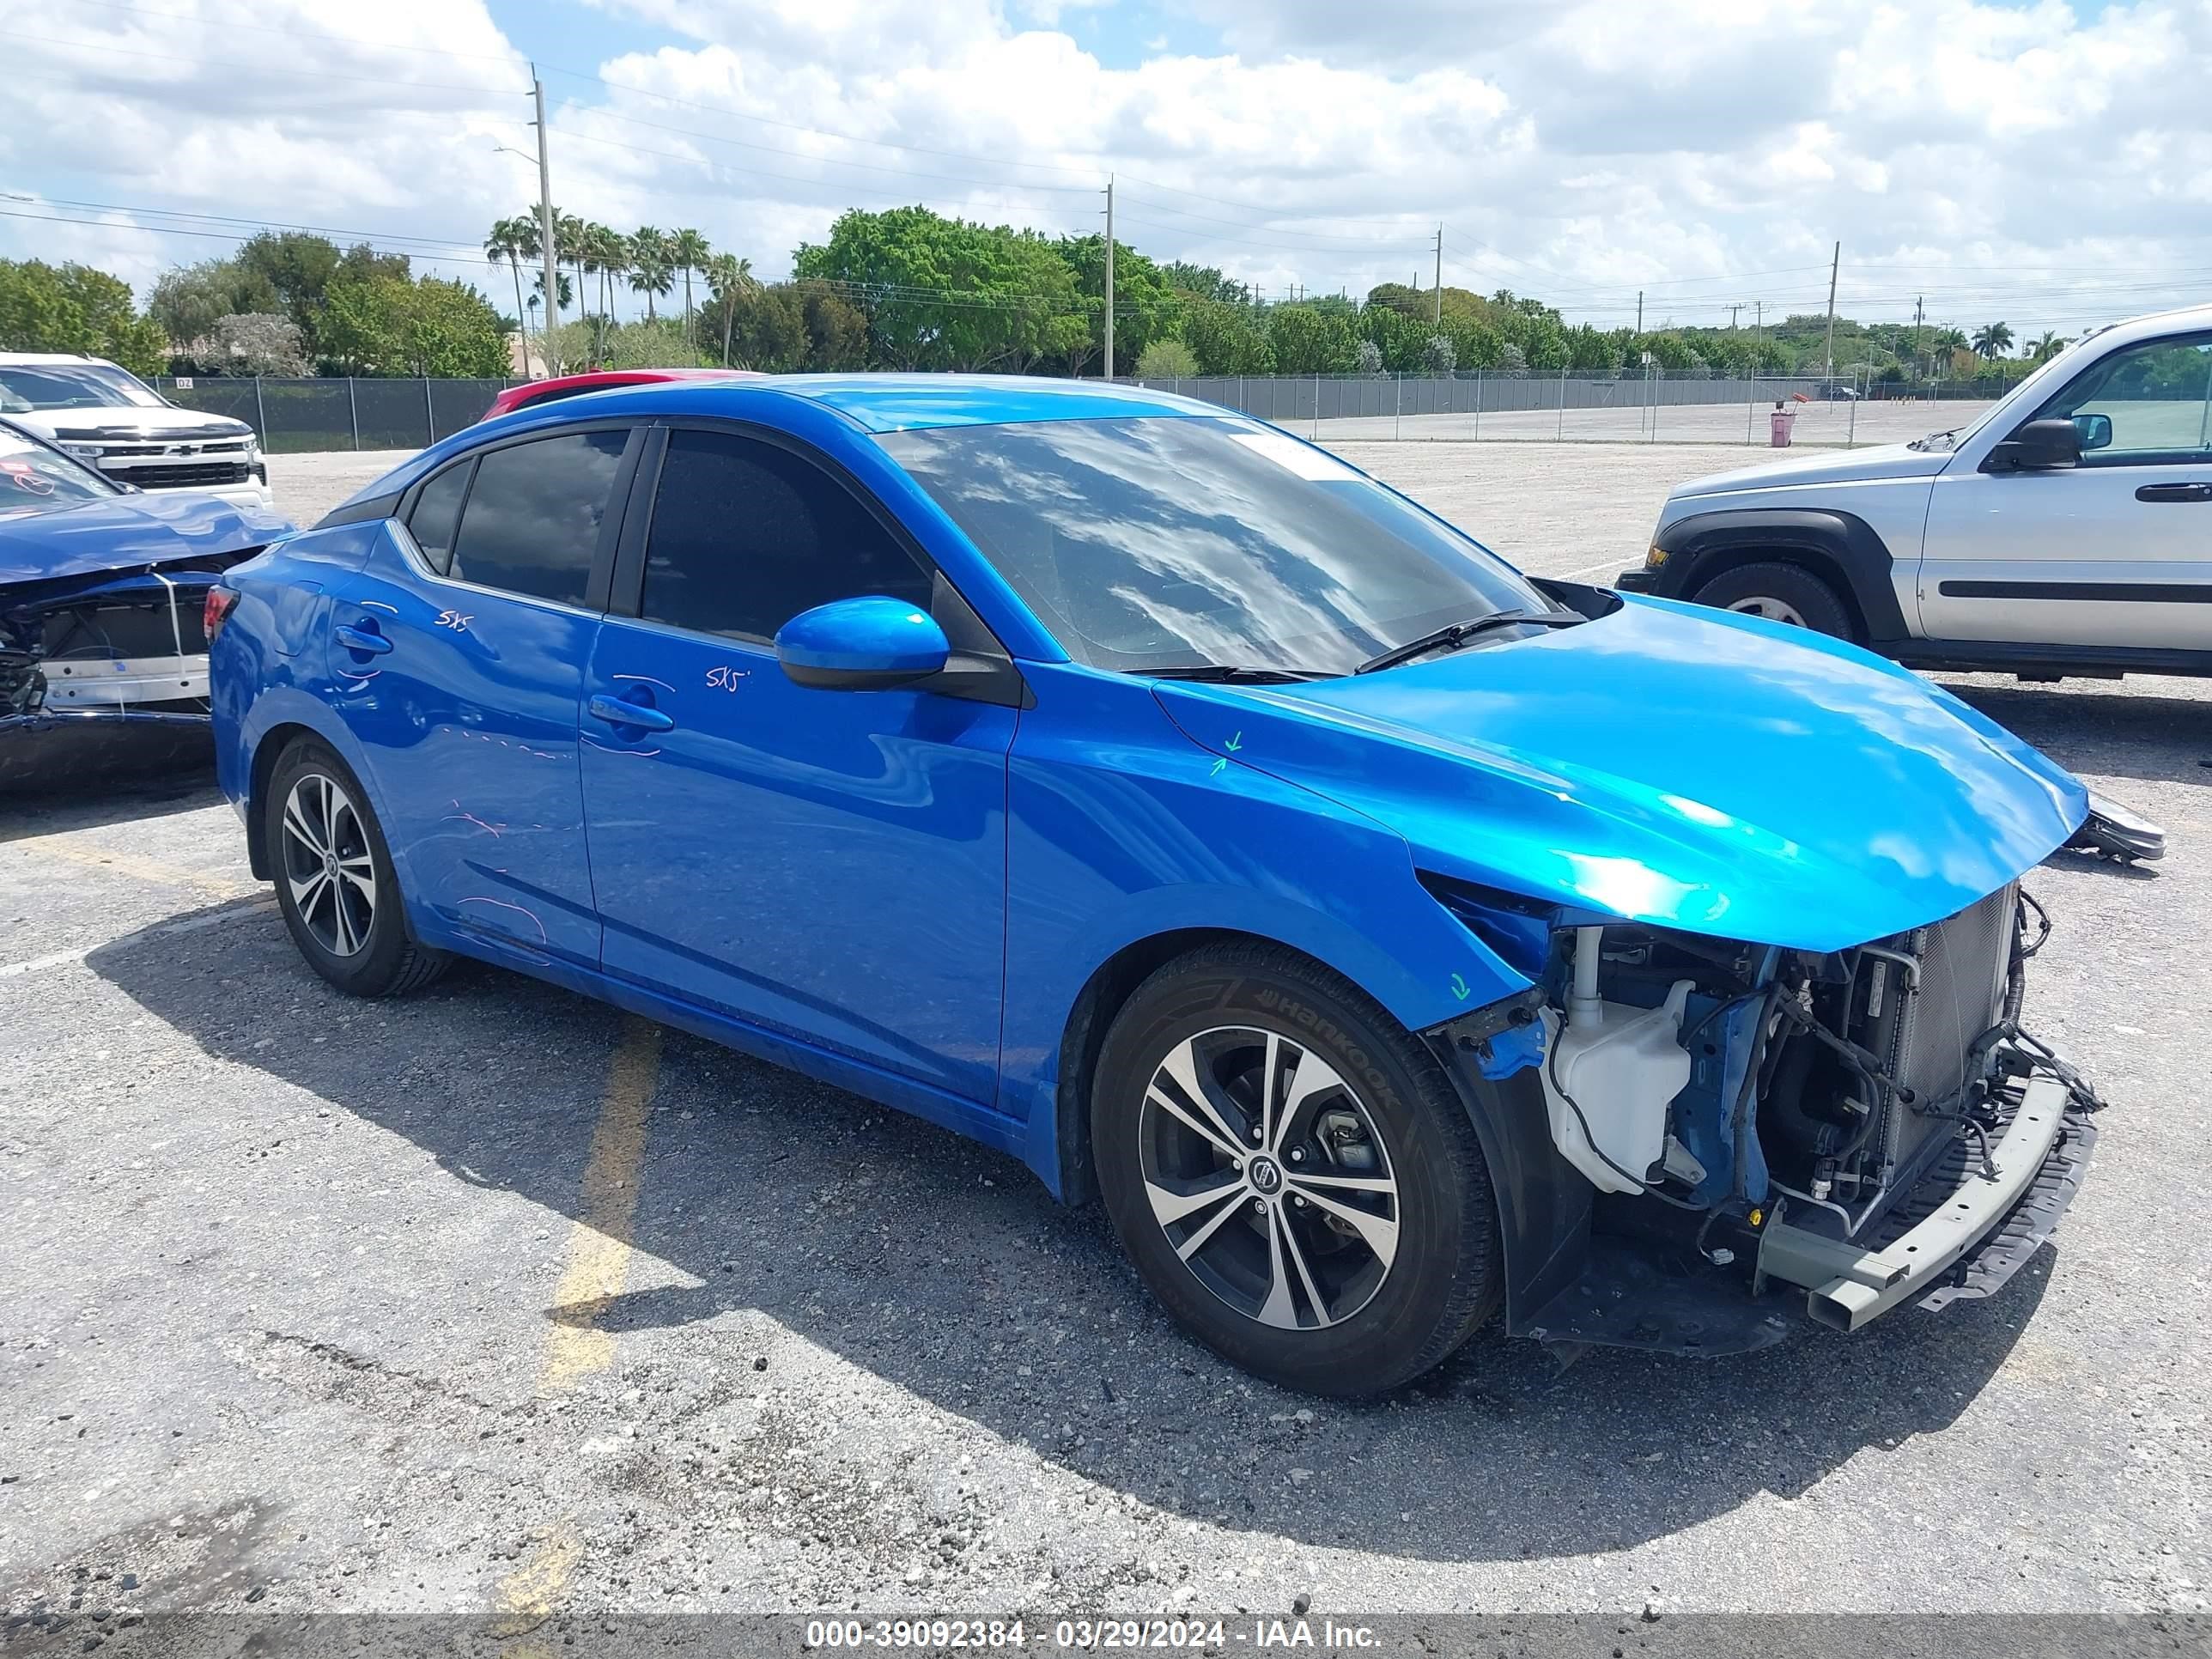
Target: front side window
<point x="74" y="385"/>
<point x="2148" y="403"/>
<point x="746" y="535"/>
<point x="532" y="521"/>
<point x="1167" y="542"/>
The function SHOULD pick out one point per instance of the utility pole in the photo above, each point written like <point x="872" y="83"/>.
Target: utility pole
<point x="1733" y="309"/>
<point x="1919" y="335"/>
<point x="1828" y="357"/>
<point x="546" y="231"/>
<point x="1109" y="277"/>
<point x="1639" y="312"/>
<point x="1440" y="277"/>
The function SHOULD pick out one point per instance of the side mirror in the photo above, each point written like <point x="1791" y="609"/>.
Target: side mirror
<point x="2095" y="431"/>
<point x="868" y="644"/>
<point x="2039" y="446"/>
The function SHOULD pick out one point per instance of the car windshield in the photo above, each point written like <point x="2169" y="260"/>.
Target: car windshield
<point x="34" y="478"/>
<point x="27" y="386"/>
<point x="1168" y="542"/>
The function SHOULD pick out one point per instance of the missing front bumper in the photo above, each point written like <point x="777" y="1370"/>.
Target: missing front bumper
<point x="2034" y="1166"/>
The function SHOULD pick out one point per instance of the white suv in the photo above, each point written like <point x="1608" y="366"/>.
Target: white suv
<point x="109" y="418"/>
<point x="2066" y="532"/>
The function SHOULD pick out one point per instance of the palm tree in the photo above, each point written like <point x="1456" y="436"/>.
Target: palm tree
<point x="2049" y="346"/>
<point x="503" y="247"/>
<point x="649" y="272"/>
<point x="727" y="278"/>
<point x="609" y="254"/>
<point x="1992" y="340"/>
<point x="688" y="252"/>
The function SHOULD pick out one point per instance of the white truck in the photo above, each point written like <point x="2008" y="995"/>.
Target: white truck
<point x="2067" y="532"/>
<point x="114" y="422"/>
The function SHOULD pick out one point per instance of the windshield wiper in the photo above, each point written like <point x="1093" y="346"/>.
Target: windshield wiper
<point x="1935" y="441"/>
<point x="1224" y="672"/>
<point x="1453" y="634"/>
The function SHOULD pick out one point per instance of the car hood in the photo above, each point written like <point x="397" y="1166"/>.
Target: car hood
<point x="129" y="533"/>
<point x="1672" y="765"/>
<point x="130" y="421"/>
<point x="1845" y="466"/>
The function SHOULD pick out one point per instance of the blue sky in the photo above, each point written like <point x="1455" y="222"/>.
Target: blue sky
<point x="2029" y="162"/>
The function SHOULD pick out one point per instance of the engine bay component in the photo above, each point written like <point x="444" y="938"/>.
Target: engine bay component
<point x="1611" y="1072"/>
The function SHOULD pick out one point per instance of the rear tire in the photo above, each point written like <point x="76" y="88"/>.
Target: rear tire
<point x="1787" y="593"/>
<point x="335" y="883"/>
<point x="1333" y="1232"/>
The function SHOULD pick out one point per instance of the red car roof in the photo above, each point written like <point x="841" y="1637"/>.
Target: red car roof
<point x="533" y="393"/>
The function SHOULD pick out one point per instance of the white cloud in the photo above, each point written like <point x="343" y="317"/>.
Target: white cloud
<point x="2007" y="159"/>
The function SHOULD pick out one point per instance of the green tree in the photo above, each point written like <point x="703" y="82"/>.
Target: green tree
<point x="505" y="244"/>
<point x="1992" y="340"/>
<point x="651" y="270"/>
<point x="1308" y="340"/>
<point x="688" y="252"/>
<point x="1205" y="282"/>
<point x="945" y="294"/>
<point x="1146" y="307"/>
<point x="1395" y="334"/>
<point x="381" y="324"/>
<point x="836" y="329"/>
<point x="1226" y="338"/>
<point x="1167" y="360"/>
<point x="74" y="307"/>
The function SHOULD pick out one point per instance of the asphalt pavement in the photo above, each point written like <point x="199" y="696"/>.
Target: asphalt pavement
<point x="496" y="1301"/>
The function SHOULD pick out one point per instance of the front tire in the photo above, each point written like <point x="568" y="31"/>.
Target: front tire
<point x="334" y="878"/>
<point x="1786" y="593"/>
<point x="1292" y="1173"/>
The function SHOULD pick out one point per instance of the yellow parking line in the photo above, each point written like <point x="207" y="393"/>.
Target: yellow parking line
<point x="93" y="856"/>
<point x="598" y="1245"/>
<point x="597" y="1269"/>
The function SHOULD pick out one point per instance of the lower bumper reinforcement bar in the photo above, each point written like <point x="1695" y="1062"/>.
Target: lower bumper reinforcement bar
<point x="1846" y="1286"/>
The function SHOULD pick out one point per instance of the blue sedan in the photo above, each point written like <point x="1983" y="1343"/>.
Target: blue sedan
<point x="1386" y="937"/>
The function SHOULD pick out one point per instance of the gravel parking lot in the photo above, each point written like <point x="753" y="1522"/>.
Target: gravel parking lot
<point x="495" y="1300"/>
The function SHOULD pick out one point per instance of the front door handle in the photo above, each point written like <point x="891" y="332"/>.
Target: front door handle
<point x="2175" y="492"/>
<point x="365" y="640"/>
<point x="620" y="711"/>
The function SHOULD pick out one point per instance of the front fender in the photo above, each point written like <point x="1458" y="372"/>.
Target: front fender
<point x="1123" y="834"/>
<point x="1842" y="546"/>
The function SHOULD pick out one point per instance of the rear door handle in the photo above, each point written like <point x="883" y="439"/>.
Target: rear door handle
<point x="369" y="642"/>
<point x="620" y="711"/>
<point x="2175" y="492"/>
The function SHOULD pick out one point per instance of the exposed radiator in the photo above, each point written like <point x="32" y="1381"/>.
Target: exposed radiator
<point x="1924" y="998"/>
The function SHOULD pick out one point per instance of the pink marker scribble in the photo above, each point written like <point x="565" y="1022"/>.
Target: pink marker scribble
<point x="457" y="814"/>
<point x="478" y="898"/>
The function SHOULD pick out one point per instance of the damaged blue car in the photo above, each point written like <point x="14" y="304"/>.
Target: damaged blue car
<point x="1388" y="939"/>
<point x="103" y="589"/>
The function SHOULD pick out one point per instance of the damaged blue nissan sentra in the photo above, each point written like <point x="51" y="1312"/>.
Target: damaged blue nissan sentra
<point x="1387" y="937"/>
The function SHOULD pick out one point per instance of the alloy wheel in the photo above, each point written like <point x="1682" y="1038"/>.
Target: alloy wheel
<point x="327" y="864"/>
<point x="1267" y="1175"/>
<point x="1773" y="610"/>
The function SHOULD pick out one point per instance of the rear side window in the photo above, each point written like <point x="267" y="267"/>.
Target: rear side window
<point x="437" y="514"/>
<point x="746" y="535"/>
<point x="534" y="517"/>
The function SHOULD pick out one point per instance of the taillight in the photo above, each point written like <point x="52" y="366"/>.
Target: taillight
<point x="220" y="603"/>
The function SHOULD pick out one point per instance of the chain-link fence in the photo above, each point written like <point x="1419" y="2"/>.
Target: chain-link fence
<point x="1477" y="405"/>
<point x="296" y="415"/>
<point x="1473" y="405"/>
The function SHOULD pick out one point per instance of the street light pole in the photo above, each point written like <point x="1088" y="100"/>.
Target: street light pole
<point x="1109" y="277"/>
<point x="546" y="231"/>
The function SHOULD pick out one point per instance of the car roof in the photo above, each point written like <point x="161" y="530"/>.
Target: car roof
<point x="904" y="403"/>
<point x="29" y="359"/>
